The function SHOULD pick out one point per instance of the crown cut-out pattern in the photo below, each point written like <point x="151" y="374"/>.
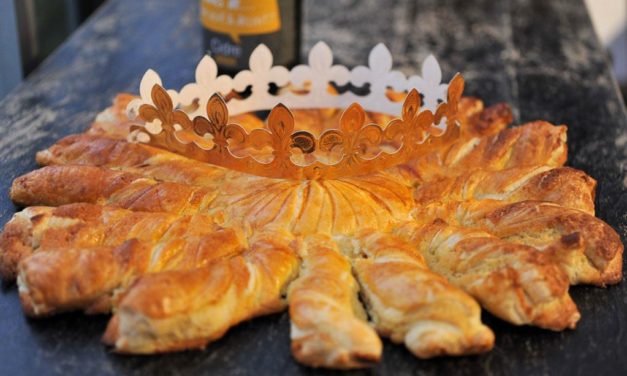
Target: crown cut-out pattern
<point x="353" y="148"/>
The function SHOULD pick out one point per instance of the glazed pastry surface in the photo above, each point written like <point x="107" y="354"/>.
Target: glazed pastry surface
<point x="180" y="251"/>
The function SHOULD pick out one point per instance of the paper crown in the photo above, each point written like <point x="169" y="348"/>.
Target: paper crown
<point x="195" y="121"/>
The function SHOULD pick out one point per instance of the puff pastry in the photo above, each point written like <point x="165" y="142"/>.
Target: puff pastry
<point x="86" y="225"/>
<point x="533" y="144"/>
<point x="103" y="186"/>
<point x="411" y="304"/>
<point x="74" y="278"/>
<point x="514" y="282"/>
<point x="305" y="207"/>
<point x="587" y="248"/>
<point x="328" y="324"/>
<point x="180" y="250"/>
<point x="564" y="186"/>
<point x="84" y="149"/>
<point x="176" y="310"/>
<point x="63" y="279"/>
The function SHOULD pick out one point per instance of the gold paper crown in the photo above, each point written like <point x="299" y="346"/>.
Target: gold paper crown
<point x="353" y="148"/>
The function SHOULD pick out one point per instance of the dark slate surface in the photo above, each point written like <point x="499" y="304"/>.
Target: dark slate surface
<point x="540" y="56"/>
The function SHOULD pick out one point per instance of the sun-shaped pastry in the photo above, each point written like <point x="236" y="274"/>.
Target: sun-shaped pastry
<point x="361" y="224"/>
<point x="180" y="250"/>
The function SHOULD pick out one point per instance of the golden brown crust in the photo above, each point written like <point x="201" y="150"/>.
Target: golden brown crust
<point x="49" y="186"/>
<point x="182" y="309"/>
<point x="88" y="225"/>
<point x="73" y="278"/>
<point x="113" y="121"/>
<point x="195" y="282"/>
<point x="484" y="122"/>
<point x="315" y="206"/>
<point x="306" y="207"/>
<point x="193" y="251"/>
<point x="564" y="186"/>
<point x="328" y="327"/>
<point x="38" y="227"/>
<point x="474" y="118"/>
<point x="16" y="241"/>
<point x="532" y="144"/>
<point x="410" y="304"/>
<point x="586" y="247"/>
<point x="60" y="185"/>
<point x="83" y="149"/>
<point x="512" y="281"/>
<point x="303" y="206"/>
<point x="567" y="232"/>
<point x="319" y="120"/>
<point x="475" y="122"/>
<point x="468" y="107"/>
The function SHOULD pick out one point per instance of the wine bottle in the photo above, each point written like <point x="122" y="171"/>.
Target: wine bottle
<point x="233" y="28"/>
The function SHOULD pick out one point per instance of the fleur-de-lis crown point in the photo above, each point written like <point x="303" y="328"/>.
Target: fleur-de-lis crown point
<point x="195" y="121"/>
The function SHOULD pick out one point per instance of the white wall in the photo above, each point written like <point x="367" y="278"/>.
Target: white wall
<point x="610" y="22"/>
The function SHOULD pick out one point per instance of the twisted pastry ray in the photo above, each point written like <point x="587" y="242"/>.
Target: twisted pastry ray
<point x="564" y="186"/>
<point x="413" y="305"/>
<point x="87" y="225"/>
<point x="64" y="279"/>
<point x="533" y="144"/>
<point x="176" y="310"/>
<point x="587" y="248"/>
<point x="103" y="186"/>
<point x="328" y="323"/>
<point x="514" y="282"/>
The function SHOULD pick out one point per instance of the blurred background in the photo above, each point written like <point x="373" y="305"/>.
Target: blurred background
<point x="30" y="30"/>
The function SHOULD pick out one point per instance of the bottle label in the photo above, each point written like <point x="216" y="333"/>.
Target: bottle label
<point x="240" y="17"/>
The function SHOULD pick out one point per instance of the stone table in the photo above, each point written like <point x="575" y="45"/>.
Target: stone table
<point x="542" y="57"/>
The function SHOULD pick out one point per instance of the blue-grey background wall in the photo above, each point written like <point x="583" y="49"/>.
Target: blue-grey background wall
<point x="10" y="62"/>
<point x="30" y="30"/>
